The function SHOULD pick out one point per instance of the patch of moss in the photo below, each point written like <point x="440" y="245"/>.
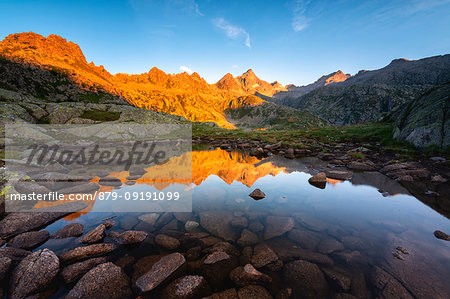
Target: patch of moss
<point x="100" y="115"/>
<point x="91" y="97"/>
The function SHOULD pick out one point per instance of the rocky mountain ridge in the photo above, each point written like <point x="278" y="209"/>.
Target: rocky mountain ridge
<point x="52" y="69"/>
<point x="293" y="91"/>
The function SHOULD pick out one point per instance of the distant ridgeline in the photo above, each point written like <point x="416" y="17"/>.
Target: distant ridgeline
<point x="48" y="80"/>
<point x="414" y="94"/>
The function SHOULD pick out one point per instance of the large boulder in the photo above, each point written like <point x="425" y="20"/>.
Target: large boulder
<point x="164" y="269"/>
<point x="104" y="281"/>
<point x="34" y="273"/>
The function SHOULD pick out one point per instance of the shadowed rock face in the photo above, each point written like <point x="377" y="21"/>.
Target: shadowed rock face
<point x="426" y="120"/>
<point x="369" y="95"/>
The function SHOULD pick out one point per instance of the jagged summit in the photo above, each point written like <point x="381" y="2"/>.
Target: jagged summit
<point x="248" y="83"/>
<point x="30" y="45"/>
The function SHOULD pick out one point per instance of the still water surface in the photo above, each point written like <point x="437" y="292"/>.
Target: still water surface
<point x="352" y="226"/>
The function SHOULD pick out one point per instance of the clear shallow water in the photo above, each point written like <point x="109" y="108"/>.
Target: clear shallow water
<point x="364" y="224"/>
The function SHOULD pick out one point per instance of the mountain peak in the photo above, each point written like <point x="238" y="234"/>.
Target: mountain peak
<point x="34" y="47"/>
<point x="228" y="82"/>
<point x="336" y="77"/>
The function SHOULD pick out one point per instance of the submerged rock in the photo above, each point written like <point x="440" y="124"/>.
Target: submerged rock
<point x="216" y="268"/>
<point x="218" y="223"/>
<point x="248" y="275"/>
<point x="167" y="242"/>
<point x="305" y="238"/>
<point x="186" y="287"/>
<point x="149" y="218"/>
<point x="161" y="271"/>
<point x="330" y="245"/>
<point x="254" y="291"/>
<point x="388" y="286"/>
<point x="68" y="231"/>
<point x="80" y="253"/>
<point x="277" y="225"/>
<point x="128" y="237"/>
<point x="257" y="194"/>
<point x="190" y="226"/>
<point x="95" y="235"/>
<point x="16" y="223"/>
<point x="73" y="272"/>
<point x="227" y="294"/>
<point x="29" y="240"/>
<point x="34" y="273"/>
<point x="247" y="238"/>
<point x="337" y="277"/>
<point x="263" y="255"/>
<point x="306" y="278"/>
<point x="104" y="281"/>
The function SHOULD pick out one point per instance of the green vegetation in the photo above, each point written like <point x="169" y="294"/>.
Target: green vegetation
<point x="370" y="135"/>
<point x="91" y="97"/>
<point x="100" y="115"/>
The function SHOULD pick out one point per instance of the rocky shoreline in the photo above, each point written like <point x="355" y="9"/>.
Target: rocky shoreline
<point x="430" y="177"/>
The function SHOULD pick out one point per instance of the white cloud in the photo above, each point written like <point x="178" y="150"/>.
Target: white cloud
<point x="232" y="31"/>
<point x="299" y="21"/>
<point x="235" y="66"/>
<point x="186" y="69"/>
<point x="189" y="6"/>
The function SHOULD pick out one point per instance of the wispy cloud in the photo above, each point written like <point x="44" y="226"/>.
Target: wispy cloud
<point x="186" y="69"/>
<point x="233" y="32"/>
<point x="191" y="6"/>
<point x="299" y="20"/>
<point x="397" y="9"/>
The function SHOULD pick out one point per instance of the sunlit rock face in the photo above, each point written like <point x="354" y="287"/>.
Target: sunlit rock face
<point x="181" y="94"/>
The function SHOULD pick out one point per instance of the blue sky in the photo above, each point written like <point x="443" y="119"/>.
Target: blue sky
<point x="289" y="41"/>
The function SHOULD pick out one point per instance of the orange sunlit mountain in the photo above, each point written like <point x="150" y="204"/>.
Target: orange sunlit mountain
<point x="249" y="83"/>
<point x="181" y="94"/>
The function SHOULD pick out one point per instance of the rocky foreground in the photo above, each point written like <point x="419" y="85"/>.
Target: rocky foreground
<point x="214" y="254"/>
